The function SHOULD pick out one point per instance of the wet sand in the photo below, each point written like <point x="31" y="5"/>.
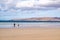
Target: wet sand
<point x="30" y="34"/>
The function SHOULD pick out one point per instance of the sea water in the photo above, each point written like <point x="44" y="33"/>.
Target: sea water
<point x="30" y="24"/>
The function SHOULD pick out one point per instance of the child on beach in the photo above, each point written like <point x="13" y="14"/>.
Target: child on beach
<point x="18" y="25"/>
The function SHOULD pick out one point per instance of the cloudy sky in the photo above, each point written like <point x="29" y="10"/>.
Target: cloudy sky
<point x="10" y="9"/>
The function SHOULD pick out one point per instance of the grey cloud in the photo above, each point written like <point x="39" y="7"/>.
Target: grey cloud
<point x="56" y="5"/>
<point x="12" y="6"/>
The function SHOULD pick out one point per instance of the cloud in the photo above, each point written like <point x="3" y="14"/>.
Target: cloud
<point x="39" y="4"/>
<point x="29" y="4"/>
<point x="51" y="3"/>
<point x="25" y="4"/>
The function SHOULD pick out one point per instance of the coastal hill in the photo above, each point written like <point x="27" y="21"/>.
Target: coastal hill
<point x="39" y="19"/>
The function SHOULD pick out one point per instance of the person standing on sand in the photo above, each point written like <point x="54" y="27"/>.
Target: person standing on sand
<point x="14" y="25"/>
<point x="18" y="25"/>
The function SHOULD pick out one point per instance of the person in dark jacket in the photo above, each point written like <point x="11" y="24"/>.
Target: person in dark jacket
<point x="14" y="25"/>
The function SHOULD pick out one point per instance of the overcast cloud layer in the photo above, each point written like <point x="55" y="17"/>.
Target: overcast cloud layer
<point x="12" y="5"/>
<point x="10" y="9"/>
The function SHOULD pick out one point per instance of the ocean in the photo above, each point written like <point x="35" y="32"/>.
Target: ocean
<point x="30" y="24"/>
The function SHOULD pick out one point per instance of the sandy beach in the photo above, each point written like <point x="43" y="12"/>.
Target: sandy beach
<point x="30" y="34"/>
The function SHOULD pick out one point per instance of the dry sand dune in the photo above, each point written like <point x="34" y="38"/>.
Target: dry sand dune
<point x="30" y="34"/>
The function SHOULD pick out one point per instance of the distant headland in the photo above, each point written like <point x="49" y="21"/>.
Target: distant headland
<point x="41" y="19"/>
